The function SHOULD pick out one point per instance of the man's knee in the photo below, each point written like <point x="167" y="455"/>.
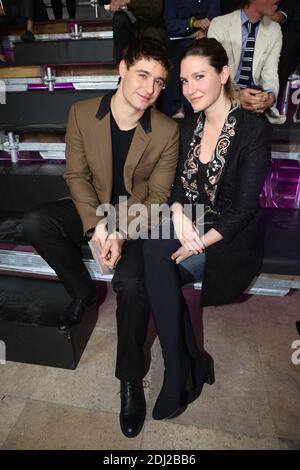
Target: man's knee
<point x="127" y="286"/>
<point x="33" y="223"/>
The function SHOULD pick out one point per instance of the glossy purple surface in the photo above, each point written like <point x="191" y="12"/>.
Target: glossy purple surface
<point x="57" y="86"/>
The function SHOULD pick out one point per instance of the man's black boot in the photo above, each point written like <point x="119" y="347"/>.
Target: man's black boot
<point x="28" y="36"/>
<point x="74" y="312"/>
<point x="133" y="407"/>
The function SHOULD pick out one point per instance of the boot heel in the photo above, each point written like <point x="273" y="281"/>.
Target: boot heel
<point x="190" y="382"/>
<point x="210" y="374"/>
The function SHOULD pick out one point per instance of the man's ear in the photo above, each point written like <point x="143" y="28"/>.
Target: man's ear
<point x="122" y="68"/>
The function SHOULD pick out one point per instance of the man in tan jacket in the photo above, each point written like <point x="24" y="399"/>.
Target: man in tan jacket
<point x="117" y="146"/>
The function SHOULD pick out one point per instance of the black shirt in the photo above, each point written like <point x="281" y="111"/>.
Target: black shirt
<point x="202" y="180"/>
<point x="121" y="141"/>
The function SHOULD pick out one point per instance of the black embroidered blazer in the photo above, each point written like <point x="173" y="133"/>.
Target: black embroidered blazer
<point x="241" y="160"/>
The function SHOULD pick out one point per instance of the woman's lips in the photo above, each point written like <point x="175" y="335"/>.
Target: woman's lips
<point x="196" y="98"/>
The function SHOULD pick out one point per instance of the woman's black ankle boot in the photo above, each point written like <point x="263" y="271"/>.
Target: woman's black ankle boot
<point x="172" y="399"/>
<point x="202" y="372"/>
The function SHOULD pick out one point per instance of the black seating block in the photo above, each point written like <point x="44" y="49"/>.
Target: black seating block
<point x="11" y="229"/>
<point x="25" y="186"/>
<point x="288" y="132"/>
<point x="67" y="51"/>
<point x="282" y="241"/>
<point x="41" y="107"/>
<point x="20" y="128"/>
<point x="29" y="310"/>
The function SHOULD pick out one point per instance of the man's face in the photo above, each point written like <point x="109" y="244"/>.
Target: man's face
<point x="266" y="7"/>
<point x="142" y="83"/>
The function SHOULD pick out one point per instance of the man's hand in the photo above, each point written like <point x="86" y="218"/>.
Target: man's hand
<point x="256" y="101"/>
<point x="116" y="5"/>
<point x="202" y="24"/>
<point x="199" y="34"/>
<point x="112" y="250"/>
<point x="278" y="17"/>
<point x="100" y="234"/>
<point x="181" y="254"/>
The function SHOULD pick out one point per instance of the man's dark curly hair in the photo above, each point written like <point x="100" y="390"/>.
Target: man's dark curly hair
<point x="146" y="48"/>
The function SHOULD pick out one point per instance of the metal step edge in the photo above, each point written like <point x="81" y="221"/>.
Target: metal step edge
<point x="62" y="36"/>
<point x="31" y="263"/>
<point x="62" y="79"/>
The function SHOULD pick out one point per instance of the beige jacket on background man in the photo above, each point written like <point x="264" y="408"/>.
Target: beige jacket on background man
<point x="227" y="30"/>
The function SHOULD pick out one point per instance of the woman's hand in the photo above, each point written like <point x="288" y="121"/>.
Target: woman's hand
<point x="181" y="254"/>
<point x="186" y="232"/>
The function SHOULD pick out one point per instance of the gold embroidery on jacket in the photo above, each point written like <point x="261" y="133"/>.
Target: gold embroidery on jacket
<point x="215" y="166"/>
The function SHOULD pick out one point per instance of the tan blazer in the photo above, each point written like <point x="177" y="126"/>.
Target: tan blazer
<point x="149" y="168"/>
<point x="227" y="30"/>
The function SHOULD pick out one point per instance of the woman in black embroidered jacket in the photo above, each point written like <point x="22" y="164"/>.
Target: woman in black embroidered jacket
<point x="225" y="155"/>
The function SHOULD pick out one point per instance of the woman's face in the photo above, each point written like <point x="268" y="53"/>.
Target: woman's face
<point x="201" y="83"/>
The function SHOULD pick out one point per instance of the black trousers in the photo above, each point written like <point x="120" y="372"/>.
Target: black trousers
<point x="56" y="232"/>
<point x="123" y="31"/>
<point x="163" y="280"/>
<point x="58" y="10"/>
<point x="27" y="9"/>
<point x="172" y="98"/>
<point x="17" y="11"/>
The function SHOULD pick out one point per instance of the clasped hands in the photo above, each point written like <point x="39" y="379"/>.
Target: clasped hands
<point x="111" y="245"/>
<point x="202" y="28"/>
<point x="186" y="231"/>
<point x="256" y="101"/>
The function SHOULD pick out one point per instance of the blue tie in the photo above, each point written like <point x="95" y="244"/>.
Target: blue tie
<point x="246" y="79"/>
